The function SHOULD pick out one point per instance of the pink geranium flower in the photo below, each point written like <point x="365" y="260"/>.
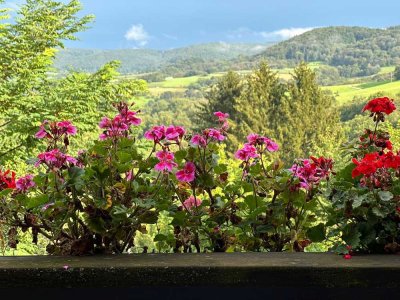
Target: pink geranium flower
<point x="166" y="163"/>
<point x="55" y="129"/>
<point x="310" y="172"/>
<point x="42" y="133"/>
<point x="198" y="140"/>
<point x="191" y="203"/>
<point x="221" y="116"/>
<point x="55" y="158"/>
<point x="215" y="134"/>
<point x="174" y="132"/>
<point x="271" y="145"/>
<point x="248" y="151"/>
<point x="255" y="139"/>
<point x="187" y="174"/>
<point x="105" y="123"/>
<point x="252" y="138"/>
<point x="25" y="183"/>
<point x="130" y="118"/>
<point x="156" y="134"/>
<point x="120" y="124"/>
<point x="66" y="127"/>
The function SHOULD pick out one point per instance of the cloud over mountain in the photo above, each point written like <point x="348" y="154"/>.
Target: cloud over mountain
<point x="138" y="34"/>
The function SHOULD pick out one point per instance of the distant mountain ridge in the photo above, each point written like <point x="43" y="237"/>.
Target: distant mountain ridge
<point x="148" y="60"/>
<point x="355" y="51"/>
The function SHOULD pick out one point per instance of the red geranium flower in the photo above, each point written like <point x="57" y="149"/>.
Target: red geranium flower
<point x="7" y="180"/>
<point x="368" y="165"/>
<point x="380" y="105"/>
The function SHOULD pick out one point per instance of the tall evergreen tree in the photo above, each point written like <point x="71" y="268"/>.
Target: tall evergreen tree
<point x="222" y="96"/>
<point x="260" y="104"/>
<point x="310" y="123"/>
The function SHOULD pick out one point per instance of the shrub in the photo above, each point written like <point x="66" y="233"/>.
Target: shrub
<point x="106" y="198"/>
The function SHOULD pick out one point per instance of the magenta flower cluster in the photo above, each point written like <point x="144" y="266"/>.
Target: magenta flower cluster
<point x="255" y="146"/>
<point x="23" y="184"/>
<point x="161" y="132"/>
<point x="119" y="125"/>
<point x="166" y="163"/>
<point x="212" y="134"/>
<point x="55" y="159"/>
<point x="55" y="129"/>
<point x="188" y="173"/>
<point x="310" y="172"/>
<point x="192" y="202"/>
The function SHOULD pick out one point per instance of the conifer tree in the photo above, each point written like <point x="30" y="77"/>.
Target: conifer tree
<point x="222" y="96"/>
<point x="260" y="104"/>
<point x="310" y="123"/>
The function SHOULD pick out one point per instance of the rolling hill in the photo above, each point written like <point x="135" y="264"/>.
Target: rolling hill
<point x="203" y="58"/>
<point x="355" y="51"/>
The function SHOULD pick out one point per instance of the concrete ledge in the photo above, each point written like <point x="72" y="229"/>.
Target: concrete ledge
<point x="264" y="270"/>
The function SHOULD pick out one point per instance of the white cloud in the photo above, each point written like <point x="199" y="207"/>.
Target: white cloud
<point x="286" y="33"/>
<point x="281" y="34"/>
<point x="137" y="34"/>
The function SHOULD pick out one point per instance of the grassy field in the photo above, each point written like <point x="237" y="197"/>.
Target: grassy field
<point x="347" y="92"/>
<point x="343" y="93"/>
<point x="385" y="70"/>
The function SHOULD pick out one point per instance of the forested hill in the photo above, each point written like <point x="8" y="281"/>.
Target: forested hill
<point x="355" y="51"/>
<point x="207" y="58"/>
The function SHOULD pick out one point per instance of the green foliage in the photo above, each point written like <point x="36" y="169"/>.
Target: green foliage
<point x="222" y="96"/>
<point x="158" y="64"/>
<point x="171" y="111"/>
<point x="311" y="112"/>
<point x="365" y="211"/>
<point x="297" y="114"/>
<point x="29" y="95"/>
<point x="260" y="104"/>
<point x="354" y="51"/>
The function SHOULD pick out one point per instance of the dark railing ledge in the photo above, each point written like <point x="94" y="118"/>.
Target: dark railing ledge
<point x="264" y="270"/>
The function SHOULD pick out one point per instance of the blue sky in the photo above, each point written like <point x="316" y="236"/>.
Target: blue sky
<point x="165" y="24"/>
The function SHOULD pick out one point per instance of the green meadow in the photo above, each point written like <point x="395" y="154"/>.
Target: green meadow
<point x="343" y="93"/>
<point x="346" y="92"/>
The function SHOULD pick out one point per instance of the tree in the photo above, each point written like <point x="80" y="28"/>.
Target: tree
<point x="27" y="48"/>
<point x="310" y="123"/>
<point x="222" y="96"/>
<point x="397" y="73"/>
<point x="260" y="104"/>
<point x="28" y="94"/>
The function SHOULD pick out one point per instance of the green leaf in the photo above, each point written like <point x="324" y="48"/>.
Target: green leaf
<point x="264" y="228"/>
<point x="358" y="201"/>
<point x="124" y="157"/>
<point x="345" y="173"/>
<point x="255" y="170"/>
<point x="76" y="177"/>
<point x="385" y="195"/>
<point x="317" y="233"/>
<point x="378" y="212"/>
<point x="252" y="201"/>
<point x="148" y="217"/>
<point x="6" y="192"/>
<point x="125" y="143"/>
<point x="221" y="168"/>
<point x="180" y="155"/>
<point x="351" y="236"/>
<point x="36" y="201"/>
<point x="160" y="237"/>
<point x="206" y="180"/>
<point x="179" y="218"/>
